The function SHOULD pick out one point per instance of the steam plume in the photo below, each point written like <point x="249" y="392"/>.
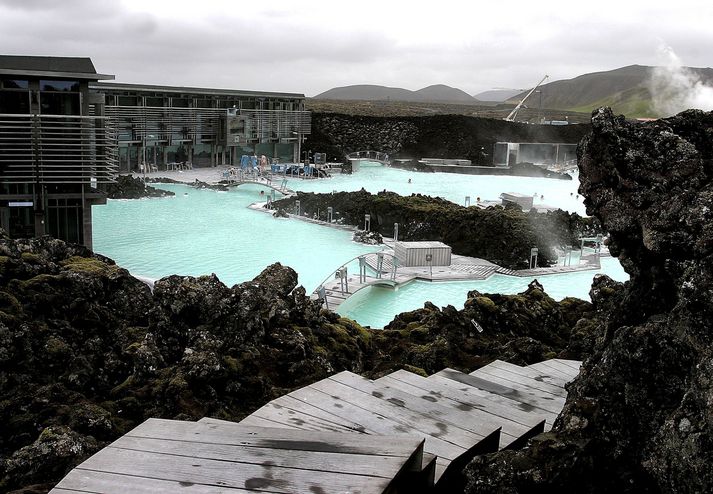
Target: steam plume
<point x="675" y="88"/>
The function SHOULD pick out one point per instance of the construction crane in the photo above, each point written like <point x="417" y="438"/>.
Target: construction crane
<point x="513" y="113"/>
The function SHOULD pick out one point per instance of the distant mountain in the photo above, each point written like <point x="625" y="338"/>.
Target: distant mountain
<point x="438" y="93"/>
<point x="443" y="93"/>
<point x="626" y="90"/>
<point x="498" y="95"/>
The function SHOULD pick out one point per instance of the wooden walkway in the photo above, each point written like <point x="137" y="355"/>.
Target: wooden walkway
<point x="401" y="433"/>
<point x="234" y="182"/>
<point x="460" y="415"/>
<point x="169" y="456"/>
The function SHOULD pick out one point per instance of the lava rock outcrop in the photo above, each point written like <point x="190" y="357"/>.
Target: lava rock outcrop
<point x="638" y="418"/>
<point x="501" y="235"/>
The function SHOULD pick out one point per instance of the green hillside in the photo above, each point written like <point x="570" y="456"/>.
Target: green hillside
<point x="625" y="89"/>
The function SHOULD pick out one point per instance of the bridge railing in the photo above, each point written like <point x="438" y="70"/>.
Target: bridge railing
<point x="343" y="275"/>
<point x="371" y="156"/>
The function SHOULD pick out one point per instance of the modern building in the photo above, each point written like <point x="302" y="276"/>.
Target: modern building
<point x="56" y="147"/>
<point x="158" y="125"/>
<point x="545" y="154"/>
<point x="64" y="133"/>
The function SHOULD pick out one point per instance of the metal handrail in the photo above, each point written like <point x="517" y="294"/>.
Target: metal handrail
<point x="370" y="155"/>
<point x="355" y="259"/>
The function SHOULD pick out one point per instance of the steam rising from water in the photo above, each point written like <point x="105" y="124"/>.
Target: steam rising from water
<point x="675" y="88"/>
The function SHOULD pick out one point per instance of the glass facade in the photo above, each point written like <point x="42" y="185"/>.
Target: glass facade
<point x="161" y="125"/>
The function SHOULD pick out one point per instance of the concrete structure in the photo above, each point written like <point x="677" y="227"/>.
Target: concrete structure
<point x="57" y="147"/>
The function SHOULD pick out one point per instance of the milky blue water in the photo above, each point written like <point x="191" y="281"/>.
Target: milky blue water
<point x="452" y="186"/>
<point x="203" y="231"/>
<point x="377" y="306"/>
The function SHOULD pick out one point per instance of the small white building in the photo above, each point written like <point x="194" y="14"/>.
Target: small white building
<point x="429" y="253"/>
<point x="522" y="200"/>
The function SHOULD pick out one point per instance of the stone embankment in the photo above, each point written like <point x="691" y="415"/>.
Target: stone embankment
<point x="501" y="235"/>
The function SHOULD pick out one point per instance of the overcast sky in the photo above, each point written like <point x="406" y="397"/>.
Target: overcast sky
<point x="309" y="46"/>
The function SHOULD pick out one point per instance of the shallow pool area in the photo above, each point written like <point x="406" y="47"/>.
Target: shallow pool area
<point x="377" y="306"/>
<point x="452" y="186"/>
<point x="201" y="231"/>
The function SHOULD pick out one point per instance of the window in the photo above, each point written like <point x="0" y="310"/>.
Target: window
<point x="59" y="104"/>
<point x="17" y="102"/>
<point x="46" y="85"/>
<point x="15" y="84"/>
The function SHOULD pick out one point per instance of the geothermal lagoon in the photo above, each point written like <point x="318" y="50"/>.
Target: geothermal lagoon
<point x="201" y="231"/>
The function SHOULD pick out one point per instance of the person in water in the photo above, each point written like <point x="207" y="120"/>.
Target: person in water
<point x="409" y="180"/>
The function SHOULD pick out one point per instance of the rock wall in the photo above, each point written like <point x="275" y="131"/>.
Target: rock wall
<point x="638" y="418"/>
<point x="501" y="235"/>
<point x="439" y="136"/>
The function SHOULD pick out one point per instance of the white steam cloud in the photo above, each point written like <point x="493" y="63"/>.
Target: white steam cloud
<point x="675" y="88"/>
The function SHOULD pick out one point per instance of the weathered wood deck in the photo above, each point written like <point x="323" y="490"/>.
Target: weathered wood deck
<point x="167" y="456"/>
<point x="400" y="433"/>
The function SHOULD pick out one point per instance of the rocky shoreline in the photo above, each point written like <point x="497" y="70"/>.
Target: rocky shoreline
<point x="500" y="235"/>
<point x="87" y="351"/>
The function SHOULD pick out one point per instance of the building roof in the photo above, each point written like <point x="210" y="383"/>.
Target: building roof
<point x="66" y="67"/>
<point x="118" y="86"/>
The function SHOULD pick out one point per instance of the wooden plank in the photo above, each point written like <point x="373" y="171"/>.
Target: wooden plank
<point x="254" y="421"/>
<point x="263" y="477"/>
<point x="545" y="366"/>
<point x="374" y="422"/>
<point x="361" y="464"/>
<point x="466" y="401"/>
<point x="476" y="420"/>
<point x="550" y="403"/>
<point x="574" y="364"/>
<point x="292" y="403"/>
<point x="506" y="377"/>
<point x="111" y="483"/>
<point x="564" y="368"/>
<point x="232" y="433"/>
<point x="292" y="419"/>
<point x="515" y="403"/>
<point x="414" y="421"/>
<point x="522" y="386"/>
<point x="526" y="371"/>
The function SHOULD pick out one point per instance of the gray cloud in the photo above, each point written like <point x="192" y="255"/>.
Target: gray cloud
<point x="315" y="47"/>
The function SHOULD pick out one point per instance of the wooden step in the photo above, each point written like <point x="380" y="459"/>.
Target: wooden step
<point x="525" y="371"/>
<point x="474" y="412"/>
<point x="508" y="377"/>
<point x="477" y="421"/>
<point x="564" y="371"/>
<point x="162" y="456"/>
<point x="286" y="411"/>
<point x="567" y="367"/>
<point x="465" y="400"/>
<point x="573" y="364"/>
<point x="523" y="394"/>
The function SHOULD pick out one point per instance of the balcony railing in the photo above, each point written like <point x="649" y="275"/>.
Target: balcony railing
<point x="57" y="149"/>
